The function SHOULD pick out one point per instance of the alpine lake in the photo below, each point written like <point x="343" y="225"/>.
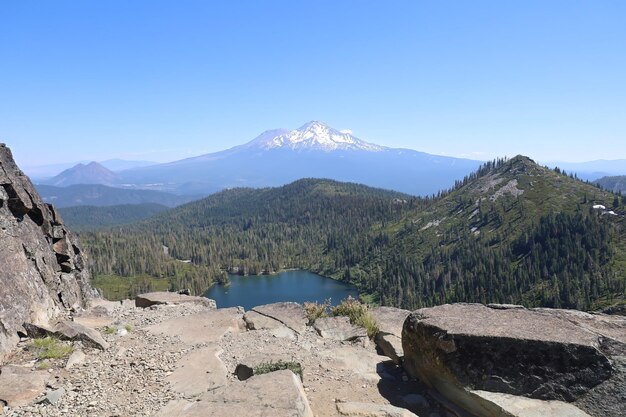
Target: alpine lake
<point x="294" y="285"/>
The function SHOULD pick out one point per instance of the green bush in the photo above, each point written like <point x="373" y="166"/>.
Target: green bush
<point x="51" y="348"/>
<point x="268" y="367"/>
<point x="316" y="310"/>
<point x="358" y="314"/>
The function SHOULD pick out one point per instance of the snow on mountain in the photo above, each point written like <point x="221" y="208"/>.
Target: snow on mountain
<point x="312" y="136"/>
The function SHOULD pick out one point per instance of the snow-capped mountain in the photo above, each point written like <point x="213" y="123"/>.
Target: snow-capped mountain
<point x="312" y="136"/>
<point x="315" y="150"/>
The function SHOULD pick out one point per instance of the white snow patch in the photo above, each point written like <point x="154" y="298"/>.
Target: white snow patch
<point x="599" y="207"/>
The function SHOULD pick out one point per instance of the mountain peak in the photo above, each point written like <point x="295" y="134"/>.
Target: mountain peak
<point x="91" y="173"/>
<point x="313" y="136"/>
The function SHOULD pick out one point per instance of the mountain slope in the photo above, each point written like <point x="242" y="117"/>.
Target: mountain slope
<point x="512" y="232"/>
<point x="101" y="195"/>
<point x="315" y="150"/>
<point x="91" y="173"/>
<point x="616" y="184"/>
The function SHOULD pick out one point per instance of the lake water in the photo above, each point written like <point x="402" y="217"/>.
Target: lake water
<point x="298" y="286"/>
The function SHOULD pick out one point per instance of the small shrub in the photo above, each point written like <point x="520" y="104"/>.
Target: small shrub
<point x="268" y="367"/>
<point x="316" y="310"/>
<point x="129" y="327"/>
<point x="51" y="348"/>
<point x="43" y="365"/>
<point x="358" y="314"/>
<point x="110" y="330"/>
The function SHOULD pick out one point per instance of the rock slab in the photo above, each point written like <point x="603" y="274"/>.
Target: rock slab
<point x="372" y="410"/>
<point x="452" y="347"/>
<point x="277" y="394"/>
<point x="21" y="386"/>
<point x="199" y="372"/>
<point x="338" y="328"/>
<point x="69" y="330"/>
<point x="156" y="298"/>
<point x="290" y="314"/>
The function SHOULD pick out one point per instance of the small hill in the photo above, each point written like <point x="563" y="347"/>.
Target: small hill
<point x="91" y="173"/>
<point x="93" y="218"/>
<point x="102" y="195"/>
<point x="617" y="184"/>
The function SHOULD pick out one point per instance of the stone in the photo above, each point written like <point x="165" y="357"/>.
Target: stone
<point x="338" y="328"/>
<point x="198" y="372"/>
<point x="507" y="405"/>
<point x="277" y="394"/>
<point x="389" y="319"/>
<point x="53" y="397"/>
<point x="354" y="409"/>
<point x="391" y="346"/>
<point x="36" y="284"/>
<point x="540" y="353"/>
<point x="256" y="321"/>
<point x="360" y="364"/>
<point x="290" y="314"/>
<point x="205" y="327"/>
<point x="76" y="358"/>
<point x="245" y="368"/>
<point x="69" y="330"/>
<point x="21" y="386"/>
<point x="155" y="298"/>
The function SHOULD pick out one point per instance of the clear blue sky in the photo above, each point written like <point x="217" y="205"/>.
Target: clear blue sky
<point x="162" y="80"/>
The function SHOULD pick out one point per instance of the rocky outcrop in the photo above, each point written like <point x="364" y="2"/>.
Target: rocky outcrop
<point x="42" y="270"/>
<point x="20" y="385"/>
<point x="539" y="353"/>
<point x="154" y="298"/>
<point x="372" y="410"/>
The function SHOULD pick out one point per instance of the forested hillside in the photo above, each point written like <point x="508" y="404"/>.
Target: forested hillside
<point x="617" y="184"/>
<point x="512" y="232"/>
<point x="94" y="218"/>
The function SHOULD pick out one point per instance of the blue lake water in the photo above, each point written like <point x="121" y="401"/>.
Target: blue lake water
<point x="298" y="286"/>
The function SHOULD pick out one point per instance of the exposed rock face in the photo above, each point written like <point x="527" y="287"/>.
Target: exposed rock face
<point x="541" y="353"/>
<point x="19" y="385"/>
<point x="42" y="271"/>
<point x="290" y="314"/>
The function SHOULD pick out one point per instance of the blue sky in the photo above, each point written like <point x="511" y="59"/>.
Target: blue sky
<point x="163" y="80"/>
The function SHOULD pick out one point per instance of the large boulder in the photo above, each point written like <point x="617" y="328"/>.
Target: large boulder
<point x="542" y="353"/>
<point x="155" y="298"/>
<point x="42" y="268"/>
<point x="69" y="330"/>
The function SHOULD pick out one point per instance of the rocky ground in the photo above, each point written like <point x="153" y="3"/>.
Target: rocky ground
<point x="180" y="356"/>
<point x="169" y="359"/>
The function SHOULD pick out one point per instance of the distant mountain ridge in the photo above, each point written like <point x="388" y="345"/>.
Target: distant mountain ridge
<point x="102" y="195"/>
<point x="315" y="150"/>
<point x="91" y="173"/>
<point x="617" y="184"/>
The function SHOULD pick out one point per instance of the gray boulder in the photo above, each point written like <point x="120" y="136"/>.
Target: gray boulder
<point x="43" y="270"/>
<point x="543" y="354"/>
<point x="69" y="330"/>
<point x="21" y="386"/>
